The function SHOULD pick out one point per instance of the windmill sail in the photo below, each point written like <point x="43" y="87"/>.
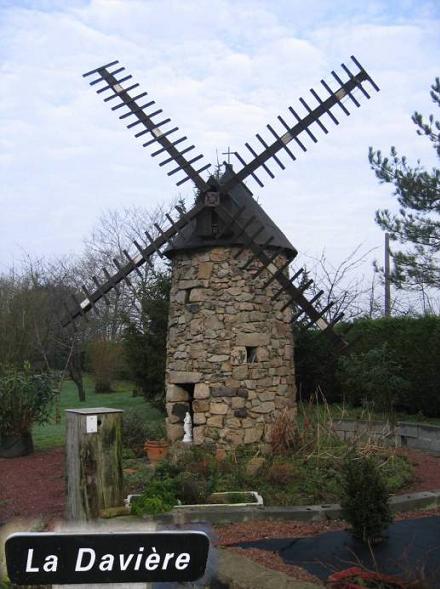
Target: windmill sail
<point x="79" y="309"/>
<point x="145" y="118"/>
<point x="301" y="126"/>
<point x="223" y="212"/>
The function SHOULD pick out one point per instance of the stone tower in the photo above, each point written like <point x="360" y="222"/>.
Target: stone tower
<point x="230" y="346"/>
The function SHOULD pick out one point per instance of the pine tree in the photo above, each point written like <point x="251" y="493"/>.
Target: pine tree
<point x="417" y="225"/>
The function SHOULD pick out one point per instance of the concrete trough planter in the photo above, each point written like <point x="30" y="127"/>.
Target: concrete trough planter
<point x="226" y="513"/>
<point x="220" y="501"/>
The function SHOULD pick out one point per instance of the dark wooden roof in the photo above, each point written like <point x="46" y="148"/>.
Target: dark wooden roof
<point x="195" y="236"/>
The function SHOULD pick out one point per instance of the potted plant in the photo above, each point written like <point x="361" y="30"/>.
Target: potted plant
<point x="156" y="446"/>
<point x="25" y="399"/>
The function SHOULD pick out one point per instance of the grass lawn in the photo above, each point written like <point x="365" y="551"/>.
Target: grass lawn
<point x="51" y="435"/>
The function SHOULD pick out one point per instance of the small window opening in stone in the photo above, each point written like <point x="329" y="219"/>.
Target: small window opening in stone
<point x="187" y="295"/>
<point x="251" y="354"/>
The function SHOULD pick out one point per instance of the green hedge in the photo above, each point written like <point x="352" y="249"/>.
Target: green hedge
<point x="414" y="341"/>
<point x="315" y="366"/>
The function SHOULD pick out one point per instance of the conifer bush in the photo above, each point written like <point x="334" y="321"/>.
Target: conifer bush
<point x="365" y="498"/>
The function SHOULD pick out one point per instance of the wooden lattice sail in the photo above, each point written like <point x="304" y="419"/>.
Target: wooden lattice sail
<point x="225" y="211"/>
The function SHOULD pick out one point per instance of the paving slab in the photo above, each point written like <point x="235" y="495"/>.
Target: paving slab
<point x="238" y="572"/>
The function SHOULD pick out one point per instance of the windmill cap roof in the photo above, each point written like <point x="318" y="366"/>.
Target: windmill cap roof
<point x="189" y="239"/>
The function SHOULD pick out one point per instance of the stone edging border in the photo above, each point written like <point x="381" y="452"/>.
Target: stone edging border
<point x="227" y="514"/>
<point x="406" y="434"/>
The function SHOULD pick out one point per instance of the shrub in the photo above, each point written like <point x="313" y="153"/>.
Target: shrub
<point x="134" y="431"/>
<point x="166" y="470"/>
<point x="25" y="399"/>
<point x="192" y="488"/>
<point x="105" y="359"/>
<point x="159" y="497"/>
<point x="373" y="379"/>
<point x="364" y="498"/>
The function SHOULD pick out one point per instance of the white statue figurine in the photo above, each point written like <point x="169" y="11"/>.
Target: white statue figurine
<point x="187" y="428"/>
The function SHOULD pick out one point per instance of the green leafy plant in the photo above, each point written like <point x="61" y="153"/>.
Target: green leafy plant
<point x="151" y="505"/>
<point x="364" y="497"/>
<point x="159" y="497"/>
<point x="25" y="399"/>
<point x="155" y="431"/>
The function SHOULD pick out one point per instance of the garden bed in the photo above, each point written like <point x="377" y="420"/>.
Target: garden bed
<point x="307" y="473"/>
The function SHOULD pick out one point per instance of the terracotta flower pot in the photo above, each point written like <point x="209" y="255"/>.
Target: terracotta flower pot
<point x="156" y="450"/>
<point x="356" y="578"/>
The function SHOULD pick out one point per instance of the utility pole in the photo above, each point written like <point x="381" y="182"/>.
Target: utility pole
<point x="387" y="276"/>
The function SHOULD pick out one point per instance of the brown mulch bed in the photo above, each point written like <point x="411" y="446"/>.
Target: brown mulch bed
<point x="32" y="486"/>
<point x="249" y="531"/>
<point x="426" y="470"/>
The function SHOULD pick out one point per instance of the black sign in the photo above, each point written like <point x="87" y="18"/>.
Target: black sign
<point x="44" y="559"/>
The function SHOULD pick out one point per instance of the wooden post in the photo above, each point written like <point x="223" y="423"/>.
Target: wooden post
<point x="93" y="461"/>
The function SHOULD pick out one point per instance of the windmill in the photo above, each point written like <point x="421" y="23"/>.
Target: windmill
<point x="233" y="299"/>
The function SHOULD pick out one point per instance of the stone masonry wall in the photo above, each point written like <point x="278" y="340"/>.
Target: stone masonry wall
<point x="230" y="349"/>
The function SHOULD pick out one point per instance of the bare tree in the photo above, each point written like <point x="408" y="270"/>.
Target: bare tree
<point x="32" y="297"/>
<point x="344" y="284"/>
<point x="112" y="238"/>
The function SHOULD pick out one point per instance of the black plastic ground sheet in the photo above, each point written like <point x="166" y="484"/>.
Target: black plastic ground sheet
<point x="411" y="550"/>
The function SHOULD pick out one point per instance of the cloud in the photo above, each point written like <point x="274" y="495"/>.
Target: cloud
<point x="222" y="70"/>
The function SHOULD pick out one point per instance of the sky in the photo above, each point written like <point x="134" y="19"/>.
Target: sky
<point x="222" y="70"/>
